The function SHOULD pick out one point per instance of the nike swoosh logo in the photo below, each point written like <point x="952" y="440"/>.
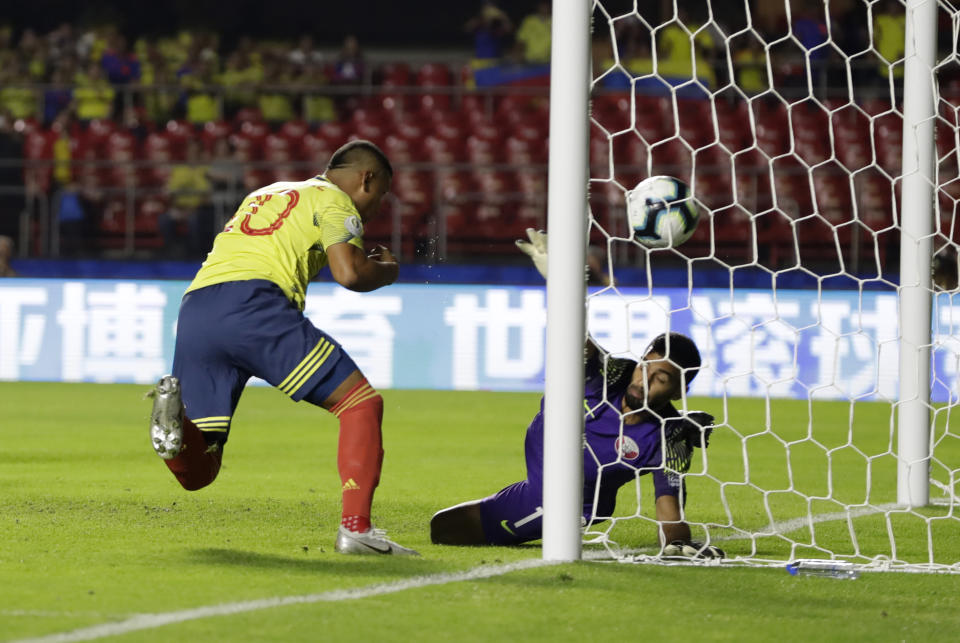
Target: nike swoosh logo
<point x="384" y="550"/>
<point x="503" y="523"/>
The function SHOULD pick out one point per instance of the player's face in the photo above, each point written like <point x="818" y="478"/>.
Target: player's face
<point x="375" y="186"/>
<point x="655" y="382"/>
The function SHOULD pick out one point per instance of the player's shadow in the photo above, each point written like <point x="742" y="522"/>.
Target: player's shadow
<point x="318" y="561"/>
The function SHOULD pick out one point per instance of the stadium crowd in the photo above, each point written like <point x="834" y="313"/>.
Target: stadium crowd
<point x="137" y="142"/>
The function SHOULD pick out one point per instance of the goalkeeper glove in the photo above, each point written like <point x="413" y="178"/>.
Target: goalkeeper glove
<point x="689" y="427"/>
<point x="692" y="549"/>
<point x="536" y="249"/>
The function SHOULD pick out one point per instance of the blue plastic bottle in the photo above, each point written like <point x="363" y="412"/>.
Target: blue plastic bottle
<point x="828" y="568"/>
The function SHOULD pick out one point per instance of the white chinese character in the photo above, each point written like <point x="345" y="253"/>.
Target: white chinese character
<point x="21" y="335"/>
<point x="112" y="335"/>
<point x="362" y="326"/>
<point x="499" y="320"/>
<point x="625" y="327"/>
<point x="857" y="351"/>
<point x="758" y="344"/>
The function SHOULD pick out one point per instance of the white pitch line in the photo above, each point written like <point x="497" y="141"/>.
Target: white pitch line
<point x="151" y="621"/>
<point x="794" y="524"/>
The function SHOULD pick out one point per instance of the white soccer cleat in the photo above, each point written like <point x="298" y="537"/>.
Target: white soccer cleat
<point x="166" y="419"/>
<point x="371" y="541"/>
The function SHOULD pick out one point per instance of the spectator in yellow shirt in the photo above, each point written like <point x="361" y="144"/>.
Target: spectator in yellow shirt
<point x="533" y="36"/>
<point x="93" y="96"/>
<point x="889" y="31"/>
<point x="186" y="226"/>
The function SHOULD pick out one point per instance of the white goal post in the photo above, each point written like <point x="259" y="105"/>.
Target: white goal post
<point x="840" y="146"/>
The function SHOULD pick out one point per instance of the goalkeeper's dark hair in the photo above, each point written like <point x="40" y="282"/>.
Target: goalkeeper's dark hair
<point x="354" y="151"/>
<point x="681" y="351"/>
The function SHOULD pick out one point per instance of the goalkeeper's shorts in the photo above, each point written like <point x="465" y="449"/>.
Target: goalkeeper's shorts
<point x="513" y="515"/>
<point x="230" y="332"/>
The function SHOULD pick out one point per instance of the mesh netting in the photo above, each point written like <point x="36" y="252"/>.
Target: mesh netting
<point x="788" y="126"/>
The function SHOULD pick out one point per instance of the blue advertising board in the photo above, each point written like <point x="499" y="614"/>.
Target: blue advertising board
<point x="756" y="343"/>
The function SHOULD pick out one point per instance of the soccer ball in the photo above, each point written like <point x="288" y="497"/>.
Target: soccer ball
<point x="661" y="212"/>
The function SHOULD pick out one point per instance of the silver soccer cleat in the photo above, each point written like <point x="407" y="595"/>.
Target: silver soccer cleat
<point x="372" y="541"/>
<point x="166" y="420"/>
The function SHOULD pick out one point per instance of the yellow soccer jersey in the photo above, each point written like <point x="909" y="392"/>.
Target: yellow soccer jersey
<point x="280" y="233"/>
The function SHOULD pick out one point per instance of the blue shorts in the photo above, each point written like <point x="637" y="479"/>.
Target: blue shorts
<point x="513" y="515"/>
<point x="230" y="332"/>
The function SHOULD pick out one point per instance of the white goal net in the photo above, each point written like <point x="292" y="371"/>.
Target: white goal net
<point x="786" y="119"/>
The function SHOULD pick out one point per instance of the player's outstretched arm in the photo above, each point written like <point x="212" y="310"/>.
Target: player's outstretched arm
<point x="356" y="271"/>
<point x="675" y="533"/>
<point x="536" y="249"/>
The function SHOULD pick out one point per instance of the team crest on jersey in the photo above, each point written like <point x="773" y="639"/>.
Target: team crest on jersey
<point x="353" y="225"/>
<point x="627" y="448"/>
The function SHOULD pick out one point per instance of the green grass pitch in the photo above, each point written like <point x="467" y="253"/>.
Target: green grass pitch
<point x="95" y="533"/>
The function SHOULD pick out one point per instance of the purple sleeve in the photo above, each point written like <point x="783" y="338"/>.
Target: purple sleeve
<point x="668" y="484"/>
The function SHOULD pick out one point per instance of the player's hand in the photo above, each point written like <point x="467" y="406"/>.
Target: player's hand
<point x="692" y="549"/>
<point x="383" y="254"/>
<point x="692" y="426"/>
<point x="536" y="249"/>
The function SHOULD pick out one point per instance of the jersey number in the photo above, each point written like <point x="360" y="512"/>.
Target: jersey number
<point x="258" y="202"/>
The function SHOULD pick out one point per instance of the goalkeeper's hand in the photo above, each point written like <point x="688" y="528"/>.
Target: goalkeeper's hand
<point x="692" y="425"/>
<point x="692" y="549"/>
<point x="536" y="249"/>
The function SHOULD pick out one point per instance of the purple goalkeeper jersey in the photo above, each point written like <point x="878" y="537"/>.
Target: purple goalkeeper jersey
<point x="514" y="514"/>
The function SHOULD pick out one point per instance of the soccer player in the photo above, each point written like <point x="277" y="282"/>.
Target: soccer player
<point x="242" y="316"/>
<point x="629" y="418"/>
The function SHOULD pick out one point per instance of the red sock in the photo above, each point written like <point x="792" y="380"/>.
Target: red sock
<point x="194" y="466"/>
<point x="359" y="455"/>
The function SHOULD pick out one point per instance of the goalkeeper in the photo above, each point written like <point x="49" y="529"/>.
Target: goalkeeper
<point x="629" y="417"/>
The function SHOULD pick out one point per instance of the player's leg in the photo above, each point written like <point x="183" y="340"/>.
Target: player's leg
<point x="511" y="516"/>
<point x="458" y="525"/>
<point x="177" y="440"/>
<point x="192" y="407"/>
<point x="307" y="364"/>
<point x="346" y="393"/>
<point x="359" y="408"/>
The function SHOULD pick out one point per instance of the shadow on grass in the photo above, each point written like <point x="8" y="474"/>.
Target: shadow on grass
<point x="326" y="561"/>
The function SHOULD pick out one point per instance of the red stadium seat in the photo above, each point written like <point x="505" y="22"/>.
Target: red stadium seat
<point x="316" y="149"/>
<point x="178" y="132"/>
<point x="248" y="115"/>
<point x="792" y="186"/>
<point x="634" y="154"/>
<point x="733" y="125"/>
<point x="295" y="129"/>
<point x="673" y="158"/>
<point x="410" y="127"/>
<point x="521" y="151"/>
<point x="482" y="151"/>
<point x="214" y="131"/>
<point x="444" y="150"/>
<point x="695" y="119"/>
<point x="277" y="149"/>
<point x="396" y="74"/>
<point x="448" y="126"/>
<point x="434" y="75"/>
<point x="334" y="132"/>
<point x="401" y="150"/>
<point x="148" y="213"/>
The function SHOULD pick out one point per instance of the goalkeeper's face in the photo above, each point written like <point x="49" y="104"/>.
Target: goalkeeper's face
<point x="655" y="382"/>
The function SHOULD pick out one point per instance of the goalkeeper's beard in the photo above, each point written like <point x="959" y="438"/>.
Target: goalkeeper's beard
<point x="633" y="401"/>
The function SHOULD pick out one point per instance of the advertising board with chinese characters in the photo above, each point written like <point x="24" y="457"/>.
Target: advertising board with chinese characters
<point x="793" y="343"/>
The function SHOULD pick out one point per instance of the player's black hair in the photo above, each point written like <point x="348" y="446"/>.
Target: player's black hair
<point x="347" y="155"/>
<point x="680" y="350"/>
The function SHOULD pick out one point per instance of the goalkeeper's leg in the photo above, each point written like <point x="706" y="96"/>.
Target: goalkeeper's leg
<point x="458" y="525"/>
